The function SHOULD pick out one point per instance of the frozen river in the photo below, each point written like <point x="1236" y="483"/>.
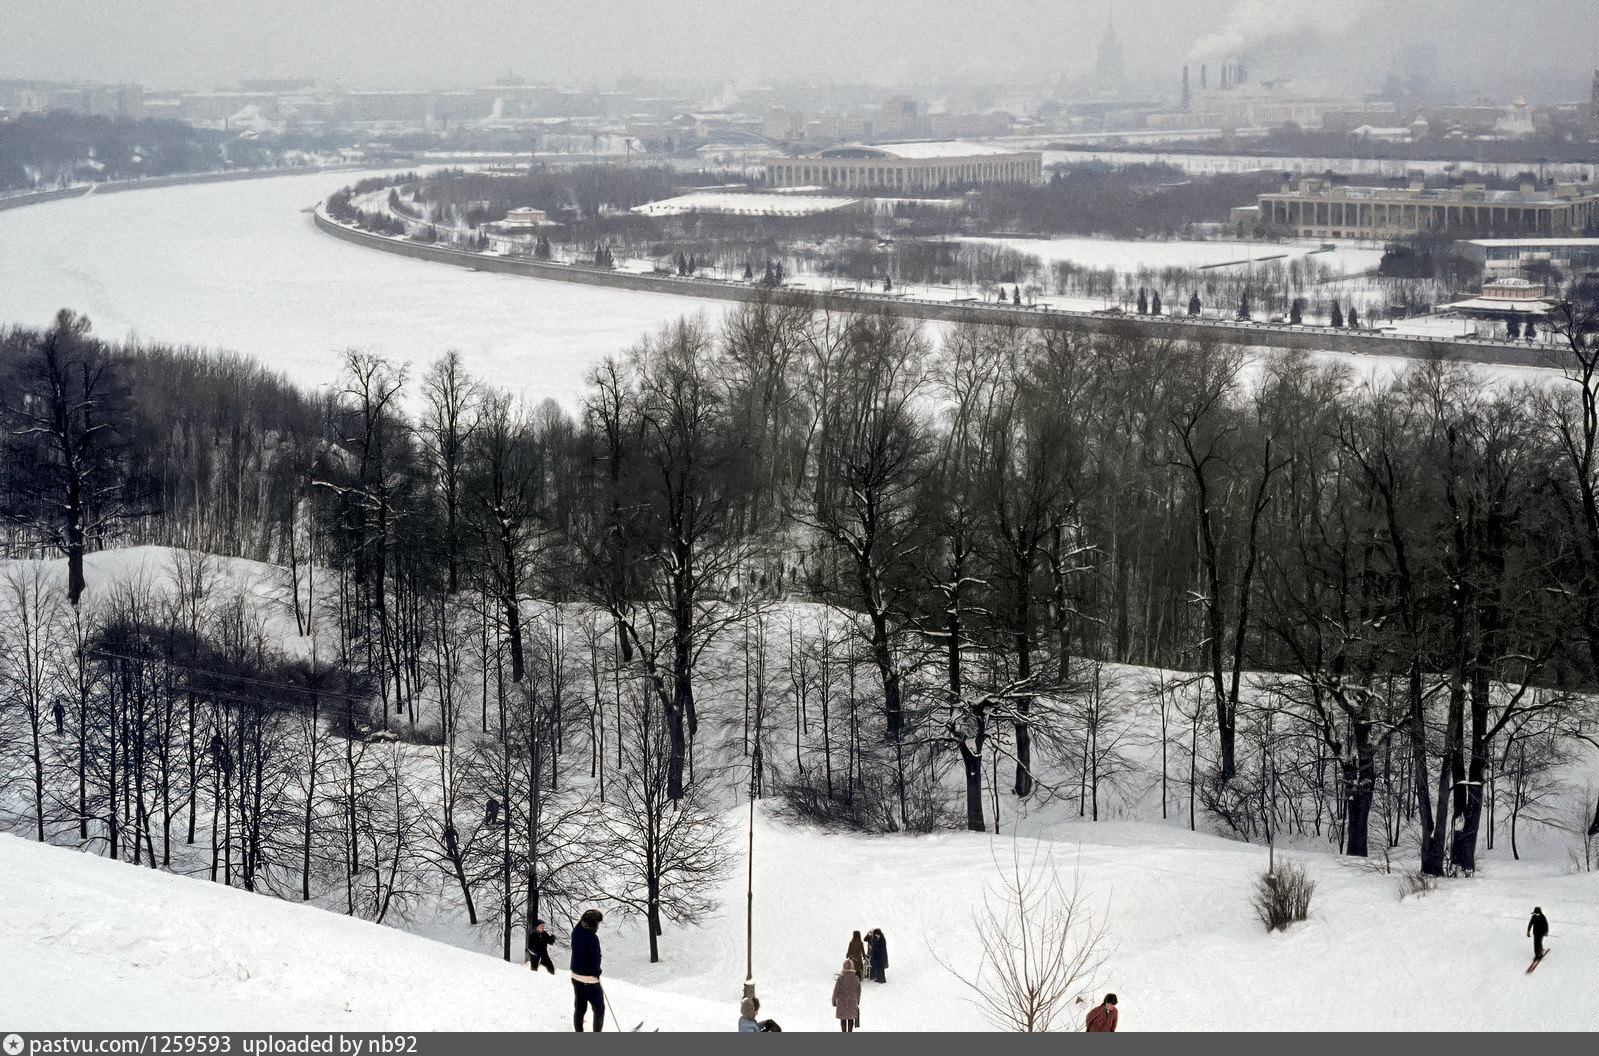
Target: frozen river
<point x="239" y="266"/>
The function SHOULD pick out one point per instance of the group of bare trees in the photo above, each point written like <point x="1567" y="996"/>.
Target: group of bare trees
<point x="517" y="657"/>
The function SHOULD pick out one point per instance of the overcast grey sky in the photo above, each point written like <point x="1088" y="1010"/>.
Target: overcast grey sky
<point x="434" y="43"/>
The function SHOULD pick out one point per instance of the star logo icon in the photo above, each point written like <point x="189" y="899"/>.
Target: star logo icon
<point x="13" y="1044"/>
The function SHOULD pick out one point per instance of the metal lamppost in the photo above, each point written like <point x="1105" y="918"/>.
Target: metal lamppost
<point x="749" y="891"/>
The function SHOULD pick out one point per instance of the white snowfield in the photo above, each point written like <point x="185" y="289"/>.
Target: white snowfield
<point x="92" y="944"/>
<point x="87" y="943"/>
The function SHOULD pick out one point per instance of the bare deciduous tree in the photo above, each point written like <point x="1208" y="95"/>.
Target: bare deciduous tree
<point x="1040" y="946"/>
<point x="667" y="854"/>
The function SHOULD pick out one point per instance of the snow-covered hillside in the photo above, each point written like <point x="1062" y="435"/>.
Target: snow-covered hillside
<point x="91" y="944"/>
<point x="1185" y="951"/>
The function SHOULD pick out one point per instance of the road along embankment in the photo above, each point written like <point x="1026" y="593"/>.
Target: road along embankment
<point x="1154" y="328"/>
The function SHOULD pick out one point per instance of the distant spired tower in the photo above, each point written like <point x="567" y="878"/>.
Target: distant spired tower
<point x="1110" y="71"/>
<point x="1593" y="102"/>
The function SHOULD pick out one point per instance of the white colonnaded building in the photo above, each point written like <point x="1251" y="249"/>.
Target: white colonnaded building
<point x="906" y="167"/>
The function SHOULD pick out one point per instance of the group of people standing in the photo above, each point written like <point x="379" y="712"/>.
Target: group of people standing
<point x="866" y="958"/>
<point x="869" y="956"/>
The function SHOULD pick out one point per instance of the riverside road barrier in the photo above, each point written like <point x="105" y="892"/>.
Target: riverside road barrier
<point x="1171" y="328"/>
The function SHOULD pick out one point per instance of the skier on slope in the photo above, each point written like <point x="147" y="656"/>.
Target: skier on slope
<point x="539" y="942"/>
<point x="586" y="991"/>
<point x="1102" y="1018"/>
<point x="1537" y="927"/>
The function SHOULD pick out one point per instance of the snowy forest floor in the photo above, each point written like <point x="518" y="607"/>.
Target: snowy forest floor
<point x="1184" y="950"/>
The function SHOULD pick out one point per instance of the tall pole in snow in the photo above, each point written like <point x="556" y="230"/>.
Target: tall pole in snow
<point x="749" y="889"/>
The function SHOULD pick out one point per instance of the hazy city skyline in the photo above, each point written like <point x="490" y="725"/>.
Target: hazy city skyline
<point x="1344" y="45"/>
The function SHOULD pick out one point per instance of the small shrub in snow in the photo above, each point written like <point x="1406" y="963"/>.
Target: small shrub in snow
<point x="873" y="803"/>
<point x="1415" y="883"/>
<point x="1283" y="897"/>
<point x="863" y="808"/>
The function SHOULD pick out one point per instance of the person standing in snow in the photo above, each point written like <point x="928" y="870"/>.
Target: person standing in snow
<point x="748" y="1009"/>
<point x="539" y="942"/>
<point x="847" y="997"/>
<point x="586" y="990"/>
<point x="1537" y="927"/>
<point x="877" y="954"/>
<point x="1102" y="1018"/>
<point x="857" y="953"/>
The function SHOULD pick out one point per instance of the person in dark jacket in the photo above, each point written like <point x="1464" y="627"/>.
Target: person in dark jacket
<point x="877" y="955"/>
<point x="857" y="953"/>
<point x="539" y="942"/>
<point x="847" y="997"/>
<point x="1537" y="927"/>
<point x="1102" y="1019"/>
<point x="586" y="990"/>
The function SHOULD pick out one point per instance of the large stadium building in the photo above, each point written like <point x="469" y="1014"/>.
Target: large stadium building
<point x="906" y="167"/>
<point x="1319" y="209"/>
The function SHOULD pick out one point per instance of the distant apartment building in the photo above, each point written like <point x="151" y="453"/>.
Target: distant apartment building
<point x="1248" y="106"/>
<point x="780" y="124"/>
<point x="901" y="117"/>
<point x="96" y="100"/>
<point x="411" y="107"/>
<point x="987" y="123"/>
<point x="215" y="108"/>
<point x="905" y="167"/>
<point x="1318" y="209"/>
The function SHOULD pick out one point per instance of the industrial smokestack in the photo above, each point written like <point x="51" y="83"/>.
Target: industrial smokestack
<point x="1186" y="96"/>
<point x="1204" y="76"/>
<point x="1225" y="68"/>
